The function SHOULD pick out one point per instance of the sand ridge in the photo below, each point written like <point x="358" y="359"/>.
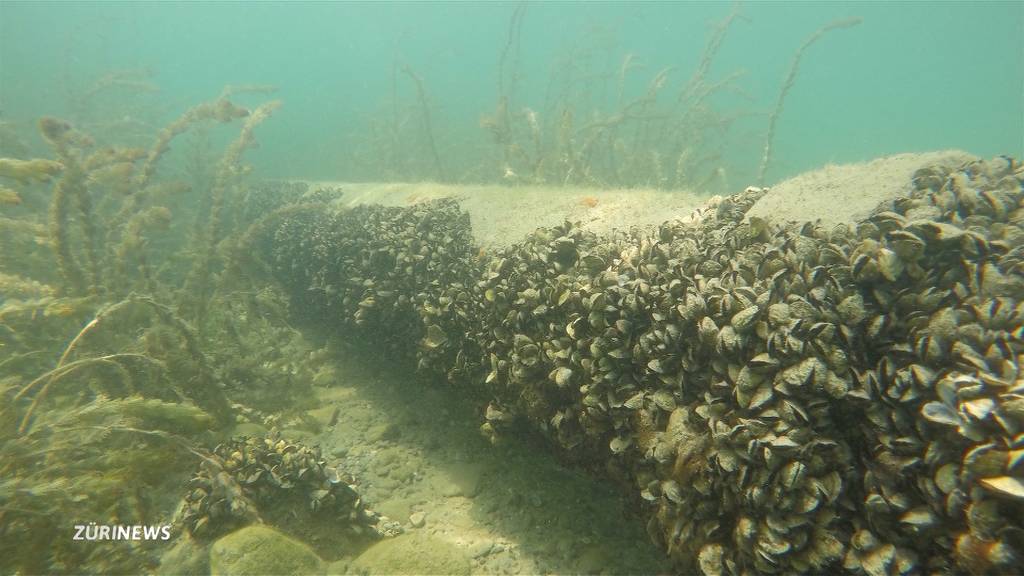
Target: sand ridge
<point x="503" y="215"/>
<point x="840" y="193"/>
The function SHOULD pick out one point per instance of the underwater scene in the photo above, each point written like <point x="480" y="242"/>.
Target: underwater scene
<point x="426" y="288"/>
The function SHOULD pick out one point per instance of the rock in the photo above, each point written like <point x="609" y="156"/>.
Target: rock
<point x="404" y="472"/>
<point x="379" y="432"/>
<point x="391" y="462"/>
<point x="386" y="485"/>
<point x="298" y="435"/>
<point x="325" y="376"/>
<point x="448" y="488"/>
<point x="415" y="553"/>
<point x="506" y="565"/>
<point x="336" y="395"/>
<point x="463" y="480"/>
<point x="323" y="415"/>
<point x="249" y="429"/>
<point x="186" y="556"/>
<point x="398" y="509"/>
<point x="259" y="549"/>
<point x="481" y="549"/>
<point x="417" y="519"/>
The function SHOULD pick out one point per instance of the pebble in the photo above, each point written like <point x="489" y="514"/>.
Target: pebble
<point x="417" y="519"/>
<point x="449" y="489"/>
<point x="482" y="549"/>
<point x="388" y="431"/>
<point x="386" y="484"/>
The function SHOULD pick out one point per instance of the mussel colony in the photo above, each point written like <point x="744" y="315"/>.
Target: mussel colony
<point x="781" y="398"/>
<point x="251" y="479"/>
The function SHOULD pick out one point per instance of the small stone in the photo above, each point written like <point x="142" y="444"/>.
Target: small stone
<point x="324" y="416"/>
<point x="466" y="479"/>
<point x="325" y="376"/>
<point x="404" y="472"/>
<point x="298" y="435"/>
<point x="398" y="509"/>
<point x="417" y="519"/>
<point x="482" y="549"/>
<point x="449" y="489"/>
<point x="387" y="457"/>
<point x="249" y="429"/>
<point x="380" y="432"/>
<point x="386" y="484"/>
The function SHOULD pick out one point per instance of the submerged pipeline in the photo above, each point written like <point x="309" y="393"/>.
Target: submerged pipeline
<point x="778" y="398"/>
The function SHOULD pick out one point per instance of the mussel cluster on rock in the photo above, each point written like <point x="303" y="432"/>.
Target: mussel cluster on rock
<point x="364" y="271"/>
<point x="262" y="197"/>
<point x="248" y="478"/>
<point x="267" y="195"/>
<point x="783" y="398"/>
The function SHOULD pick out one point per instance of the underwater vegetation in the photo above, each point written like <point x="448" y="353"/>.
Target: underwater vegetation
<point x="589" y="130"/>
<point x="116" y="368"/>
<point x="770" y="398"/>
<point x="777" y="398"/>
<point x="90" y="460"/>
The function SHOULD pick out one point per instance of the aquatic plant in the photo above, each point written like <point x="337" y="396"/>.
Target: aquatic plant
<point x="113" y="105"/>
<point x="428" y="125"/>
<point x="197" y="286"/>
<point x="127" y="400"/>
<point x="592" y="127"/>
<point x="129" y="367"/>
<point x="26" y="171"/>
<point x="71" y="188"/>
<point x="91" y="462"/>
<point x="403" y="137"/>
<point x="220" y="110"/>
<point x="628" y="143"/>
<point x="787" y="85"/>
<point x="87" y="262"/>
<point x="113" y="190"/>
<point x="500" y="123"/>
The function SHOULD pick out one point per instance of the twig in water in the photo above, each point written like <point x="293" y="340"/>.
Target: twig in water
<point x="788" y="84"/>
